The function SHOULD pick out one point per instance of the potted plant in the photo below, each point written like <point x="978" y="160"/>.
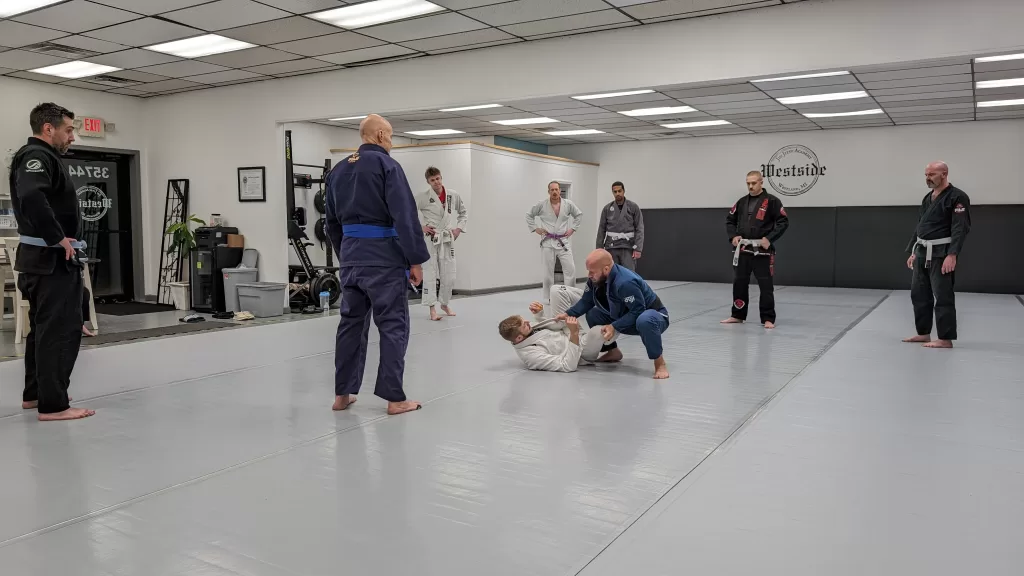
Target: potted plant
<point x="183" y="239"/>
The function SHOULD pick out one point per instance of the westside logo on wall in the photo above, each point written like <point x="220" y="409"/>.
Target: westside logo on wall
<point x="793" y="170"/>
<point x="93" y="203"/>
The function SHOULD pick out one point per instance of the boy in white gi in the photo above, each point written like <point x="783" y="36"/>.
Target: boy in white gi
<point x="435" y="207"/>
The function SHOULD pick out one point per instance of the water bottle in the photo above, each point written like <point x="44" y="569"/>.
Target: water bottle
<point x="325" y="303"/>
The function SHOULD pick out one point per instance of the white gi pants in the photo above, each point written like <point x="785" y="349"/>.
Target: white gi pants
<point x="564" y="255"/>
<point x="591" y="340"/>
<point x="440" y="266"/>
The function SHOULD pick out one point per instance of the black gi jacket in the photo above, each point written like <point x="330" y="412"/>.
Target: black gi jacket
<point x="948" y="217"/>
<point x="768" y="220"/>
<point x="45" y="205"/>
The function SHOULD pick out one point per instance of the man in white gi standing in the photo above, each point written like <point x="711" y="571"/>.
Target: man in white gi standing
<point x="436" y="207"/>
<point x="555" y="220"/>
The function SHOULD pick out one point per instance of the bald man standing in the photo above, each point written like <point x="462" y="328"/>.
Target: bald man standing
<point x="942" y="227"/>
<point x="374" y="227"/>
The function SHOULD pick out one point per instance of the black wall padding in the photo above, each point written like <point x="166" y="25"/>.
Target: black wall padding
<point x="848" y="247"/>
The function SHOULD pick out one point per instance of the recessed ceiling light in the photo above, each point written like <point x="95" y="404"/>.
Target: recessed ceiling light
<point x="10" y="8"/>
<point x="992" y="103"/>
<point x="346" y="118"/>
<point x="477" y="107"/>
<point x="822" y="97"/>
<point x="613" y="94"/>
<point x="199" y="46"/>
<point x="76" y="69"/>
<point x="802" y="76"/>
<point x="376" y="12"/>
<point x="699" y="124"/>
<point x="839" y="114"/>
<point x="572" y="132"/>
<point x="1001" y="83"/>
<point x="658" y="111"/>
<point x="524" y="121"/>
<point x="443" y="132"/>
<point x="1000" y="58"/>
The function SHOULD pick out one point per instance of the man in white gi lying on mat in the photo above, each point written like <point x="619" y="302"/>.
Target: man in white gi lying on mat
<point x="557" y="346"/>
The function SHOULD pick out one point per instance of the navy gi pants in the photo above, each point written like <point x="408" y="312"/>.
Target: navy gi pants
<point x="649" y="326"/>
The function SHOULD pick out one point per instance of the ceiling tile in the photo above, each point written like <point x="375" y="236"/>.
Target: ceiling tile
<point x="224" y="14"/>
<point x="998" y="66"/>
<point x="454" y="40"/>
<point x="37" y="77"/>
<point x="426" y="27"/>
<point x="22" y="60"/>
<point x="474" y="46"/>
<point x="917" y="82"/>
<point x="583" y="30"/>
<point x="91" y="44"/>
<point x="366" y="54"/>
<point x="225" y="76"/>
<point x="277" y="31"/>
<point x="1001" y="75"/>
<point x="7" y="70"/>
<point x="303" y="72"/>
<point x="671" y="9"/>
<point x="134" y="58"/>
<point x="182" y="68"/>
<point x="463" y="4"/>
<point x="127" y="92"/>
<point x="138" y="76"/>
<point x="530" y="10"/>
<point x="304" y="6"/>
<point x="15" y="34"/>
<point x="144" y="32"/>
<point x="931" y="71"/>
<point x="329" y="44"/>
<point x="150" y="7"/>
<point x="85" y="84"/>
<point x="249" y="57"/>
<point x="290" y="66"/>
<point x="565" y="23"/>
<point x="77" y="16"/>
<point x="167" y="85"/>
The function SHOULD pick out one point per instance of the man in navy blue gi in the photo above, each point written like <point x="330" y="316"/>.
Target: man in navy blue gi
<point x="374" y="226"/>
<point x="619" y="300"/>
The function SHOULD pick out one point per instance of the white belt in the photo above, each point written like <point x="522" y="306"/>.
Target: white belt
<point x="928" y="247"/>
<point x="740" y="245"/>
<point x="442" y="237"/>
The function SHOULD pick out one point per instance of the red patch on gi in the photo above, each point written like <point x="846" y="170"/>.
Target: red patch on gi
<point x="733" y="211"/>
<point x="739" y="304"/>
<point x="762" y="210"/>
<point x="771" y="265"/>
<point x="782" y="211"/>
<point x="959" y="209"/>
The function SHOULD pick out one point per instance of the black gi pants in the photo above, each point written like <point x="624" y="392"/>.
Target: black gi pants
<point x="931" y="290"/>
<point x="763" y="268"/>
<point x="51" y="348"/>
<point x="623" y="257"/>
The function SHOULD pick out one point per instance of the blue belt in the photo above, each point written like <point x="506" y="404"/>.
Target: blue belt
<point x="368" y="231"/>
<point x="33" y="241"/>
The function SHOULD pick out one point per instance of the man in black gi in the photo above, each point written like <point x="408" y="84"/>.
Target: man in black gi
<point x="754" y="224"/>
<point x="50" y="274"/>
<point x="942" y="227"/>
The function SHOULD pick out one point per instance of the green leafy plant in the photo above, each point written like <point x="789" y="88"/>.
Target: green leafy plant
<point x="184" y="238"/>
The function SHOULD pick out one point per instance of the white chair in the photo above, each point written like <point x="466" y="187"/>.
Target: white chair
<point x="21" y="323"/>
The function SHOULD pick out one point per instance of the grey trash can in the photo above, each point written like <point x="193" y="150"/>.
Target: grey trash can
<point x="232" y="278"/>
<point x="262" y="299"/>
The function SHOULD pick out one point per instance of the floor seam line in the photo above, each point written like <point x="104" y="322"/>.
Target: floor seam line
<point x="1020" y="299"/>
<point x="742" y="424"/>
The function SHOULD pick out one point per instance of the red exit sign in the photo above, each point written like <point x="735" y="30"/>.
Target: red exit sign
<point x="92" y="127"/>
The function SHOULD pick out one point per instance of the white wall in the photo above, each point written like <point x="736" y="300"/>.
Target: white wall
<point x="865" y="166"/>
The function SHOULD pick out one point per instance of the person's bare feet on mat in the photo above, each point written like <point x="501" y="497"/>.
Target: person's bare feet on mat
<point x="343" y="402"/>
<point x="69" y="414"/>
<point x="396" y="408"/>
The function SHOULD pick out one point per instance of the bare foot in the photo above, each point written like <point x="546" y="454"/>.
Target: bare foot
<point x="660" y="369"/>
<point x="433" y="314"/>
<point x="769" y="325"/>
<point x="613" y="355"/>
<point x="69" y="414"/>
<point x="918" y="339"/>
<point x="87" y="332"/>
<point x="939" y="344"/>
<point x="731" y="320"/>
<point x="343" y="402"/>
<point x="447" y="311"/>
<point x="396" y="408"/>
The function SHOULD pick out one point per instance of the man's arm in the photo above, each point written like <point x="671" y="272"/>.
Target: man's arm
<point x="633" y="297"/>
<point x="731" y="224"/>
<point x="34" y="176"/>
<point x="332" y="224"/>
<point x="920" y="214"/>
<point x="584" y="305"/>
<point x="638" y="229"/>
<point x="463" y="218"/>
<point x="961" y="223"/>
<point x="402" y="208"/>
<point x="577" y="215"/>
<point x="531" y="216"/>
<point x="537" y="359"/>
<point x="602" y="227"/>
<point x="781" y="221"/>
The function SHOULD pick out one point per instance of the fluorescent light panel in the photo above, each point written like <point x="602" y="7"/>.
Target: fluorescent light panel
<point x="658" y="111"/>
<point x="993" y="103"/>
<point x="1000" y="58"/>
<point x="613" y="94"/>
<point x="377" y="12"/>
<point x="1001" y="83"/>
<point x="443" y="132"/>
<point x="524" y="121"/>
<point x="76" y="69"/>
<point x="822" y="97"/>
<point x="10" y="8"/>
<point x="572" y="132"/>
<point x="841" y="114"/>
<point x="802" y="76"/>
<point x="699" y="124"/>
<point x="346" y="118"/>
<point x="199" y="46"/>
<point x="477" y="107"/>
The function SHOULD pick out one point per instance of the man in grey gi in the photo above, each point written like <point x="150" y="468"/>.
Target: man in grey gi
<point x="620" y="229"/>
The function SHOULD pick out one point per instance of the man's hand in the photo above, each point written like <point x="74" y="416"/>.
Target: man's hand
<point x="562" y="317"/>
<point x="68" y="250"/>
<point x="570" y="233"/>
<point x="765" y="243"/>
<point x="573" y="324"/>
<point x="949" y="264"/>
<point x="429" y="230"/>
<point x="541" y="231"/>
<point x="736" y="240"/>
<point x="608" y="332"/>
<point x="456" y="232"/>
<point x="415" y="274"/>
<point x="536" y="307"/>
<point x="636" y="254"/>
<point x="910" y="261"/>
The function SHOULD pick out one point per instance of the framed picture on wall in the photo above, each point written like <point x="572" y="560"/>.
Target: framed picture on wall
<point x="252" y="184"/>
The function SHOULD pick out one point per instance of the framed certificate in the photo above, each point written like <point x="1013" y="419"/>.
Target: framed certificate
<point x="252" y="184"/>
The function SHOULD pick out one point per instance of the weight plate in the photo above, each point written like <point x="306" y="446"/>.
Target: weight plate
<point x="325" y="282"/>
<point x="320" y="202"/>
<point x="319" y="231"/>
